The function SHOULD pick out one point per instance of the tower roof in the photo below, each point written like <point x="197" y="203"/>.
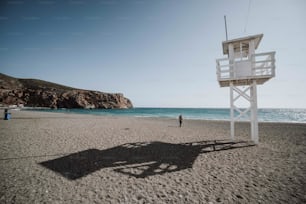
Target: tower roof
<point x="245" y="42"/>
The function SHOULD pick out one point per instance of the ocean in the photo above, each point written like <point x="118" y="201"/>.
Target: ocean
<point x="264" y="115"/>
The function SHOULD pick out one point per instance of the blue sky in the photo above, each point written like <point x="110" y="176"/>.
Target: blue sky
<point x="159" y="53"/>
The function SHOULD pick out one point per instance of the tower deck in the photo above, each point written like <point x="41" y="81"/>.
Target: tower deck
<point x="243" y="82"/>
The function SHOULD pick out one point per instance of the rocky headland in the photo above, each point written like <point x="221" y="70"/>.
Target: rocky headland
<point x="39" y="93"/>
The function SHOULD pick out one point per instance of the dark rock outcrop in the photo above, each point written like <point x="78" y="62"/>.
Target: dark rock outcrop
<point x="38" y="93"/>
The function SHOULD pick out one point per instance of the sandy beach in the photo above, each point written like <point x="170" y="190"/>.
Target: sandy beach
<point x="70" y="158"/>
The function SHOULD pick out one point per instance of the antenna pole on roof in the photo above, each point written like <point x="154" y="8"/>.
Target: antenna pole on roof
<point x="225" y="27"/>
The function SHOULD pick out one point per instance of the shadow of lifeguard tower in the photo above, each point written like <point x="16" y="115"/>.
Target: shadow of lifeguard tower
<point x="242" y="70"/>
<point x="140" y="159"/>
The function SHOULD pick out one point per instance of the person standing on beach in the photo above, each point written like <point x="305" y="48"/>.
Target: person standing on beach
<point x="180" y="120"/>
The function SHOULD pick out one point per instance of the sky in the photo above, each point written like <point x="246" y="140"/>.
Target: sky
<point x="158" y="53"/>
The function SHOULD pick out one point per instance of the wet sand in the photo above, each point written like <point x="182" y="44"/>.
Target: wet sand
<point x="70" y="158"/>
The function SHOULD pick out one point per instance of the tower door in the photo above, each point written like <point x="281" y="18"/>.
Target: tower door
<point x="243" y="69"/>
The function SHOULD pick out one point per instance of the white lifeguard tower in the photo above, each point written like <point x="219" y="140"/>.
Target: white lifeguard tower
<point x="242" y="70"/>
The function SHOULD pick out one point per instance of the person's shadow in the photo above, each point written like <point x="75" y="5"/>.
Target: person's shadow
<point x="137" y="159"/>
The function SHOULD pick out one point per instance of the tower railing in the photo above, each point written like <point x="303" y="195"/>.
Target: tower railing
<point x="263" y="66"/>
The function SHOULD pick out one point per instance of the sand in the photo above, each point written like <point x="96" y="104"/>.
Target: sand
<point x="70" y="158"/>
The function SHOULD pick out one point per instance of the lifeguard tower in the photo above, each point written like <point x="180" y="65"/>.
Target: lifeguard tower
<point x="242" y="70"/>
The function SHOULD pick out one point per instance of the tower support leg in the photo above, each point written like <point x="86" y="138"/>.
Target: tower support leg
<point x="232" y="111"/>
<point x="254" y="120"/>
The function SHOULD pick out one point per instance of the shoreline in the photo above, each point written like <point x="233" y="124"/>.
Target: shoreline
<point x="265" y="115"/>
<point x="157" y="117"/>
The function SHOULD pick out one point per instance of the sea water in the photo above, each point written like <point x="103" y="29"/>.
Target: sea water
<point x="264" y="115"/>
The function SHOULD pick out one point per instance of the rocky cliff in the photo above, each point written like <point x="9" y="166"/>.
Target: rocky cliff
<point x="38" y="93"/>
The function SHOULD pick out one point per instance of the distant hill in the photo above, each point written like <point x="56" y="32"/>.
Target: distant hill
<point x="39" y="93"/>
